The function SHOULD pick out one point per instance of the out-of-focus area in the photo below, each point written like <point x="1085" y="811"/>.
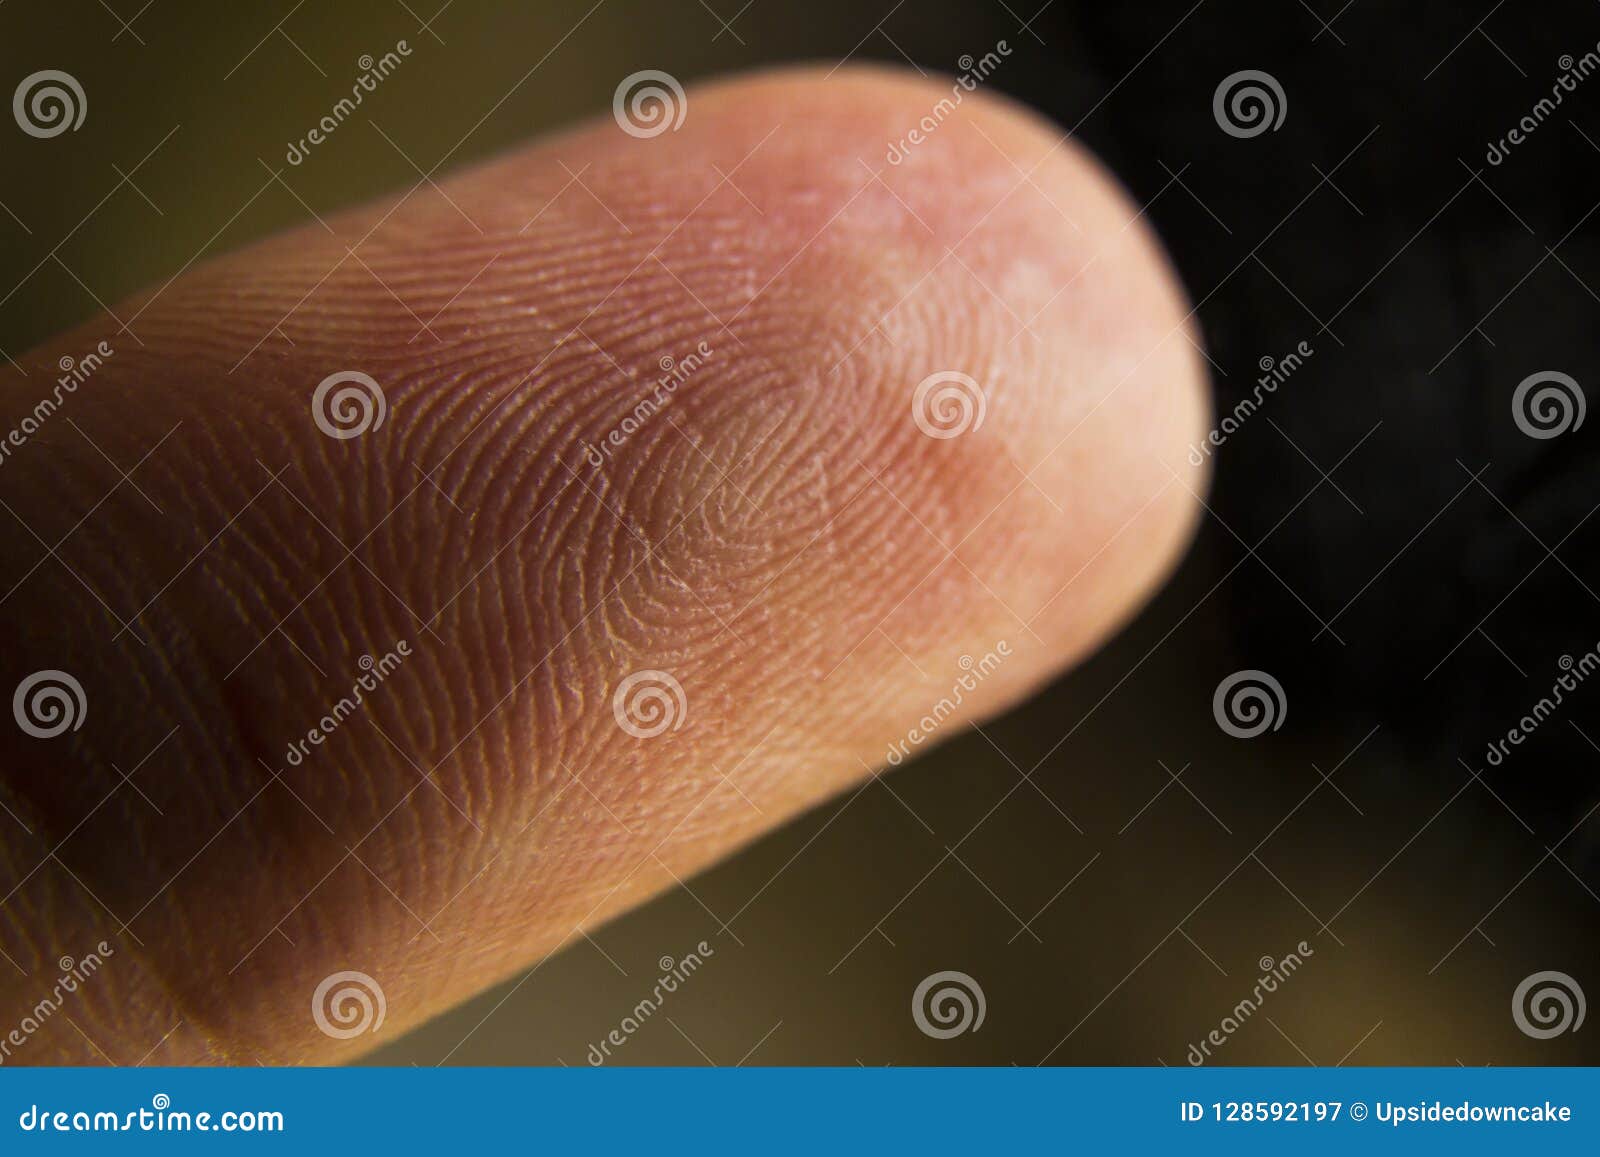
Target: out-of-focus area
<point x="1110" y="867"/>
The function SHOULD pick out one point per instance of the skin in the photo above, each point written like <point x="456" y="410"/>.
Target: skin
<point x="780" y="537"/>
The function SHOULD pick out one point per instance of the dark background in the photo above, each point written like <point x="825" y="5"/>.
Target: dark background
<point x="1382" y="537"/>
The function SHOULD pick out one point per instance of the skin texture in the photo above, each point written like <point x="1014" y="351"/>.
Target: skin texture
<point x="779" y="535"/>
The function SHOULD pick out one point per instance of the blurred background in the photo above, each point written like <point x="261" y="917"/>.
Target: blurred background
<point x="1110" y="866"/>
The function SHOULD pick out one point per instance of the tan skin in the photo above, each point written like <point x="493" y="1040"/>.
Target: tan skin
<point x="779" y="536"/>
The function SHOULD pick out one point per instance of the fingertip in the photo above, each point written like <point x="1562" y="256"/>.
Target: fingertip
<point x="928" y="401"/>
